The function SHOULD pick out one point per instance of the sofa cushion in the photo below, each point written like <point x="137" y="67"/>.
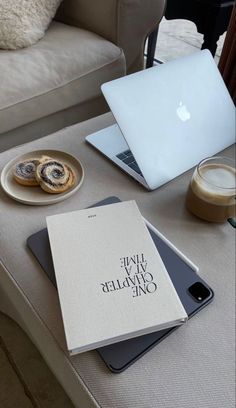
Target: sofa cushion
<point x="65" y="68"/>
<point x="23" y="23"/>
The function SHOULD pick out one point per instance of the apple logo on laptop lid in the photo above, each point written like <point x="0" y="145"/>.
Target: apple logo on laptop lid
<point x="182" y="112"/>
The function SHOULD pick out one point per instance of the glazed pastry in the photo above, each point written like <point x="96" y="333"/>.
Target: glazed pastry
<point x="44" y="158"/>
<point x="24" y="172"/>
<point x="54" y="176"/>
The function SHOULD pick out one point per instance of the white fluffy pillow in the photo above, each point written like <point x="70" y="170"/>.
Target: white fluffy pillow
<point x="24" y="22"/>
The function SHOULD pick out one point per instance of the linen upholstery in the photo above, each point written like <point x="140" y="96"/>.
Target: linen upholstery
<point x="64" y="69"/>
<point x="126" y="23"/>
<point x="195" y="366"/>
<point x="53" y="122"/>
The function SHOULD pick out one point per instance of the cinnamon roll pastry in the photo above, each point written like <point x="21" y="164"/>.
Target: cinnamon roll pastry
<point x="44" y="158"/>
<point x="54" y="176"/>
<point x="24" y="172"/>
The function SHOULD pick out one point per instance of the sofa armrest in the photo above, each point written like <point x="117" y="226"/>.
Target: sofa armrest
<point x="126" y="23"/>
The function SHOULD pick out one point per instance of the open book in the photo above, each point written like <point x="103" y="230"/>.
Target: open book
<point x="111" y="280"/>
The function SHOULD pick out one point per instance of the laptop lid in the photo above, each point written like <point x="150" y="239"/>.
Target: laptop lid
<point x="173" y="115"/>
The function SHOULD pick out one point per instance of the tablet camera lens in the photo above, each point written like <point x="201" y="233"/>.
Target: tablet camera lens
<point x="199" y="291"/>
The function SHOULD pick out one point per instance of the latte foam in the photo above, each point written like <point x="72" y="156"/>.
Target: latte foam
<point x="215" y="183"/>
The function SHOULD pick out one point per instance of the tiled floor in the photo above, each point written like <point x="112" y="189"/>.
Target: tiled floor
<point x="25" y="379"/>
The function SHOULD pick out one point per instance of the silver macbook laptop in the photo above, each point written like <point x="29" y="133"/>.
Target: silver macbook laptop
<point x="169" y="117"/>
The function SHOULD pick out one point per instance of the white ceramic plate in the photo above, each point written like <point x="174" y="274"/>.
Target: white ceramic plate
<point x="35" y="195"/>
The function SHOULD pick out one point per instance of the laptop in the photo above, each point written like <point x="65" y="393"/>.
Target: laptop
<point x="168" y="118"/>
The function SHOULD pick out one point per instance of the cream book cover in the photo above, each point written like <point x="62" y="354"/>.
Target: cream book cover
<point x="111" y="281"/>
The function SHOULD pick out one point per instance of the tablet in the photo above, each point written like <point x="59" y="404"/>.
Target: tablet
<point x="194" y="293"/>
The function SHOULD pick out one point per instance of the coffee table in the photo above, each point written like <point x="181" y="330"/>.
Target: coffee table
<point x="194" y="367"/>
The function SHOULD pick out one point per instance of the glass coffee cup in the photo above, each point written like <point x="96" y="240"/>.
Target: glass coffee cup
<point x="212" y="190"/>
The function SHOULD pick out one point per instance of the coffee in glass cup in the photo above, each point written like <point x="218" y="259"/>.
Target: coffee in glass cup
<point x="212" y="191"/>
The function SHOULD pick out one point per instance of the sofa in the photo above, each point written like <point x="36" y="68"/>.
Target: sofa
<point x="56" y="82"/>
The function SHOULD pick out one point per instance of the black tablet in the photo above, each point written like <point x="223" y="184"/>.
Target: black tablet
<point x="192" y="290"/>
